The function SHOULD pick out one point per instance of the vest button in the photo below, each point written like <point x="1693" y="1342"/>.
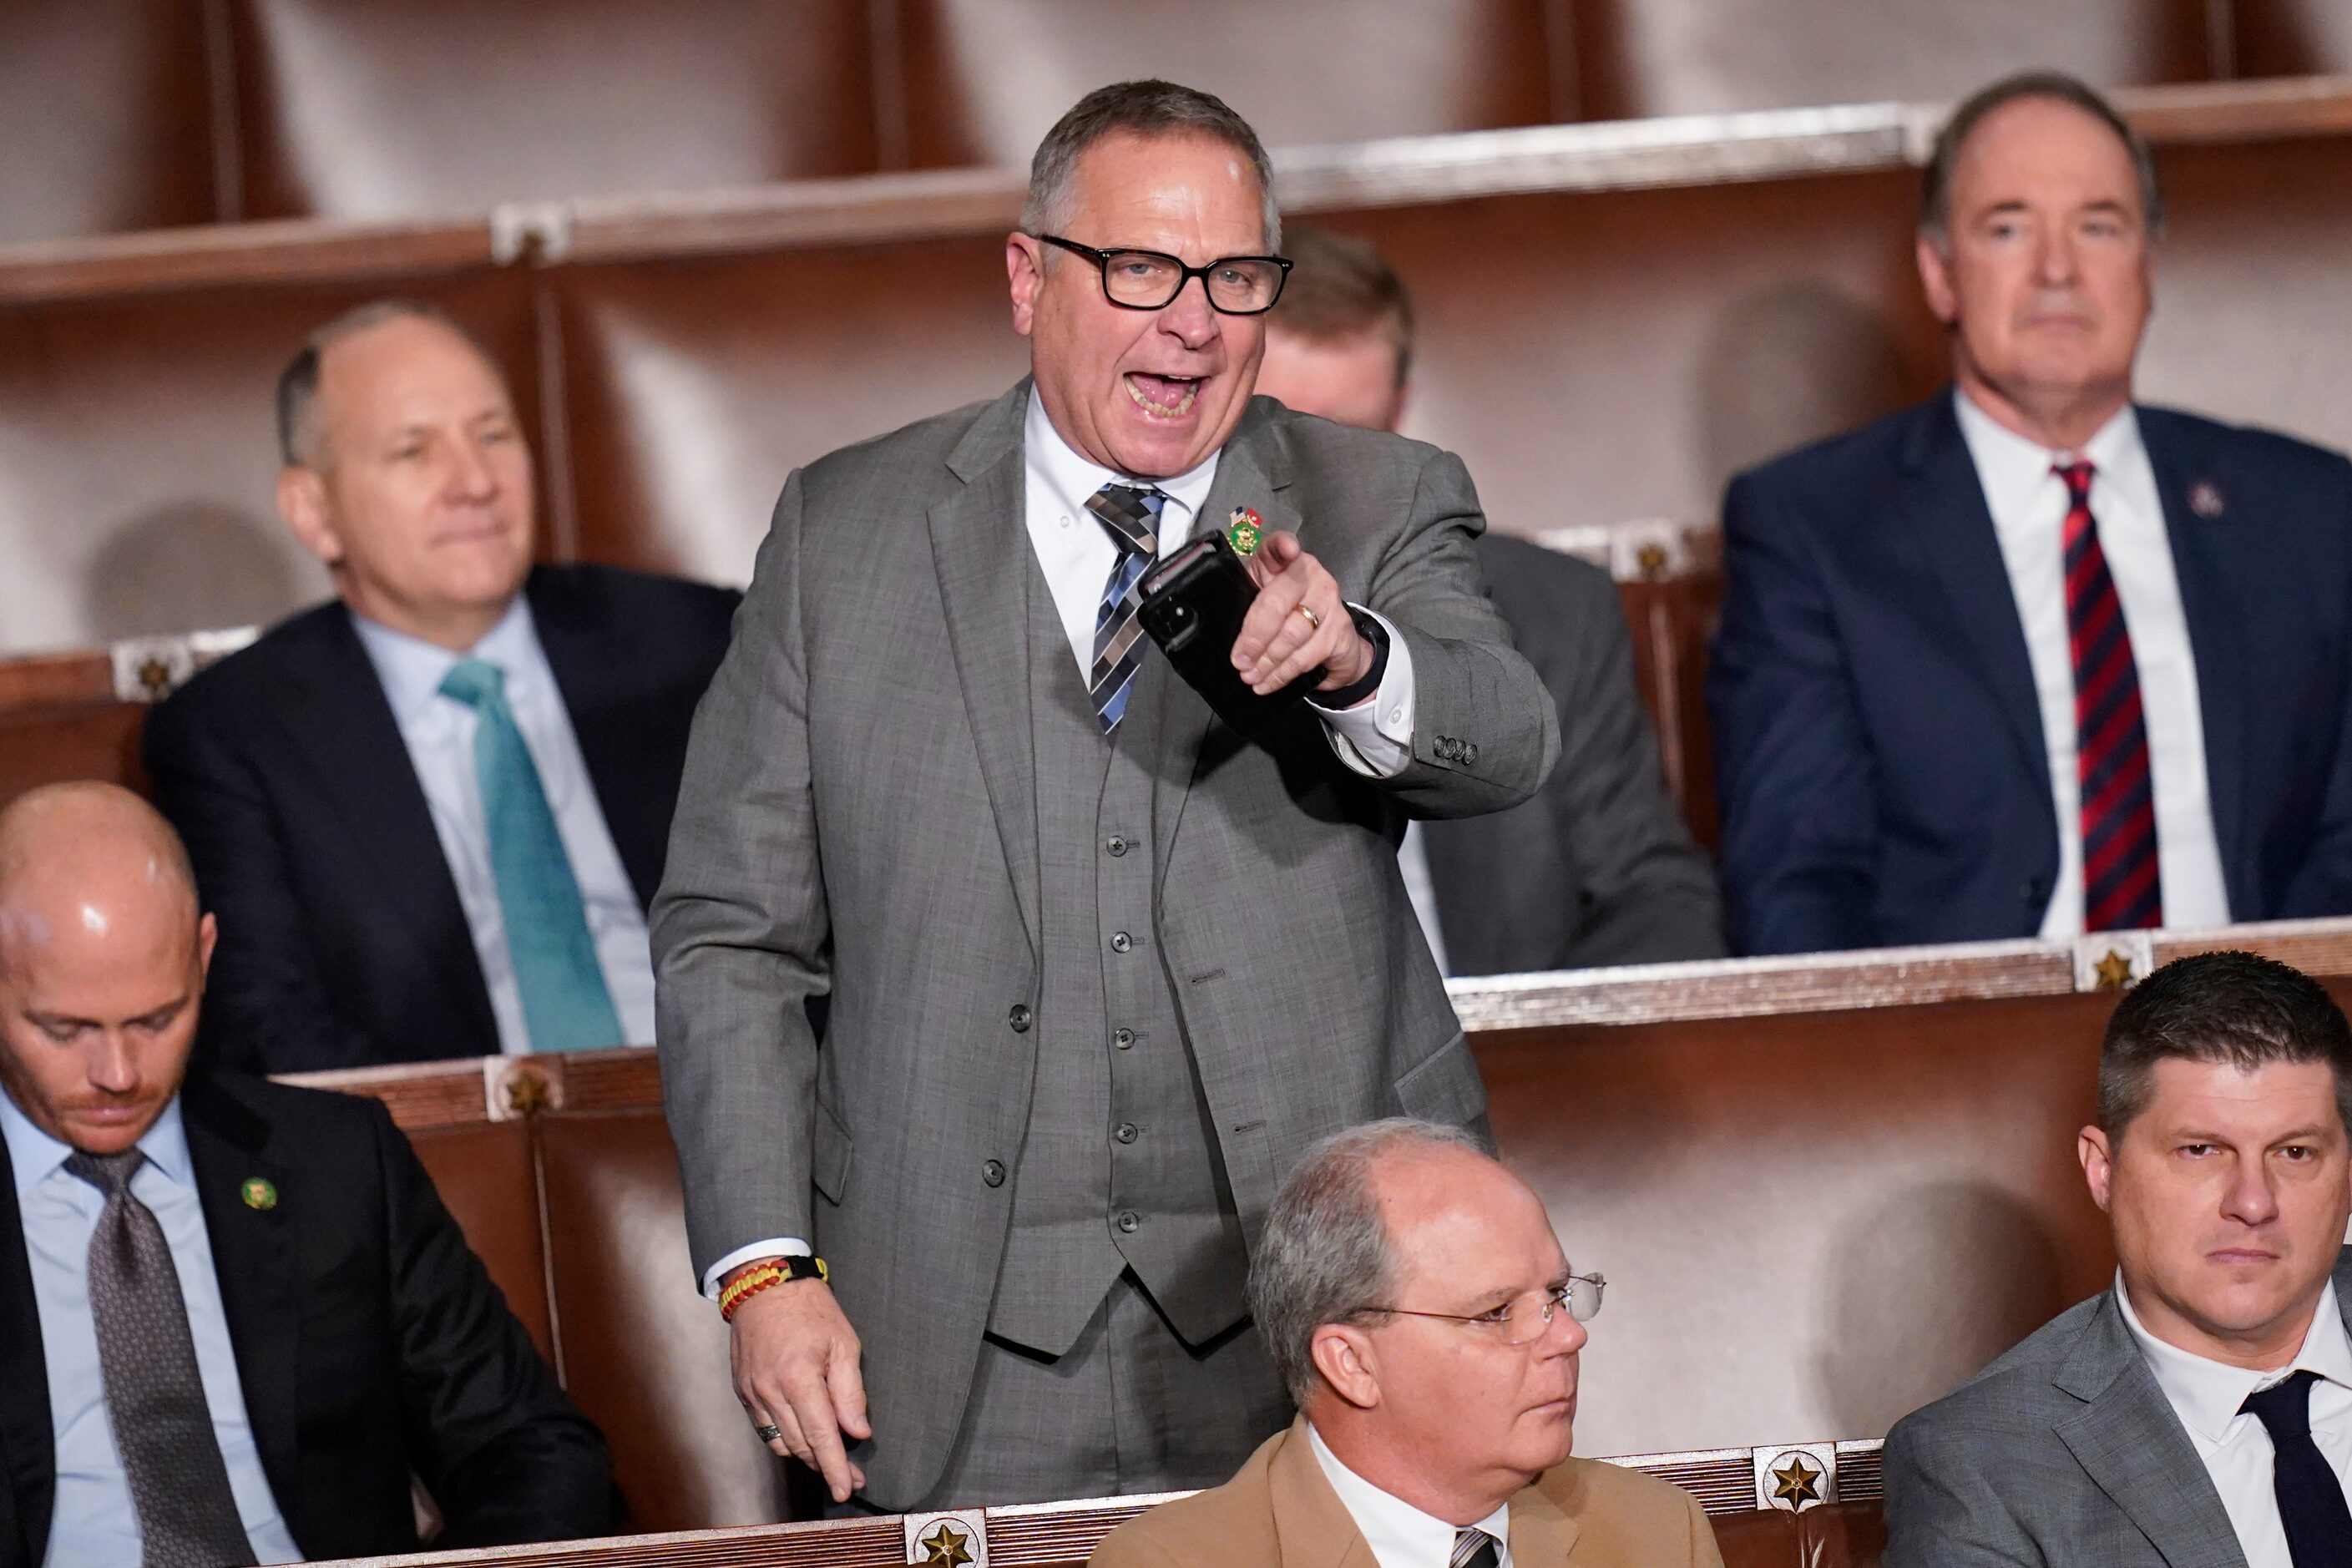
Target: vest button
<point x="993" y="1173"/>
<point x="1115" y="844"/>
<point x="1123" y="1038"/>
<point x="1120" y="941"/>
<point x="1129" y="1221"/>
<point x="1019" y="1018"/>
<point x="1128" y="1133"/>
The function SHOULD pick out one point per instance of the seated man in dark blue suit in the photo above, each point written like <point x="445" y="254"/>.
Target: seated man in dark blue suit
<point x="431" y="816"/>
<point x="235" y="1319"/>
<point x="2029" y="659"/>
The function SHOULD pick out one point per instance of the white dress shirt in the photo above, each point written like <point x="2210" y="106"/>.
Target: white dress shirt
<point x="1413" y="861"/>
<point x="2029" y="505"/>
<point x="93" y="1519"/>
<point x="2236" y="1448"/>
<point x="1075" y="555"/>
<point x="1400" y="1534"/>
<point x="440" y="734"/>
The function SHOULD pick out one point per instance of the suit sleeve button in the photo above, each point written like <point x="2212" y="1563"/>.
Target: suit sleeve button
<point x="1129" y="1220"/>
<point x="993" y="1173"/>
<point x="1019" y="1018"/>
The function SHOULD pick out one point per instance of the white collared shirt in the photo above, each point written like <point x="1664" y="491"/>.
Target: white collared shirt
<point x="1374" y="738"/>
<point x="2029" y="505"/>
<point x="2205" y="1394"/>
<point x="1400" y="1534"/>
<point x="93" y="1519"/>
<point x="439" y="734"/>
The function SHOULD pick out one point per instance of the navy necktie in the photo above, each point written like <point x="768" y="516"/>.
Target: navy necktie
<point x="2310" y="1499"/>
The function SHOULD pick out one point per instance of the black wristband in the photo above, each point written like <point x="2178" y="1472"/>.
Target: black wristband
<point x="1368" y="627"/>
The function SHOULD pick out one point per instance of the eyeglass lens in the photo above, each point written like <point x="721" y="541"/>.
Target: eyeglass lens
<point x="1146" y="278"/>
<point x="1531" y="1315"/>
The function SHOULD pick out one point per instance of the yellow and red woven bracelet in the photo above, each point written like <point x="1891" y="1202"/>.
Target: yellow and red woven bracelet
<point x="761" y="1274"/>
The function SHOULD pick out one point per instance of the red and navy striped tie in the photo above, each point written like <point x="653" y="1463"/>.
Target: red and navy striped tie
<point x="2121" y="890"/>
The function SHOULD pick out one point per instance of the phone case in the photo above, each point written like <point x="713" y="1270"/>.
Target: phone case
<point x="1194" y="604"/>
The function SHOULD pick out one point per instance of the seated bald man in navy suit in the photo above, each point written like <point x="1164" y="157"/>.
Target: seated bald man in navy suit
<point x="2030" y="659"/>
<point x="430" y="816"/>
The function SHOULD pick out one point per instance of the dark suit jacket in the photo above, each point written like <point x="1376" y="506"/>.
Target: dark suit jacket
<point x="1878" y="737"/>
<point x="342" y="942"/>
<point x="1598" y="868"/>
<point x="369" y="1342"/>
<point x="2063" y="1451"/>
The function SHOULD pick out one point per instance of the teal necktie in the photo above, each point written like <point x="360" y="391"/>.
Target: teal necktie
<point x="564" y="1002"/>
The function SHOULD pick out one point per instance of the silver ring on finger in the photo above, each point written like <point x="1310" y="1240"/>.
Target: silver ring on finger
<point x="770" y="1433"/>
<point x="1313" y="619"/>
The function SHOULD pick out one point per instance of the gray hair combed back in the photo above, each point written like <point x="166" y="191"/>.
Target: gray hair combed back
<point x="1936" y="184"/>
<point x="298" y="385"/>
<point x="1325" y="1255"/>
<point x="1139" y="109"/>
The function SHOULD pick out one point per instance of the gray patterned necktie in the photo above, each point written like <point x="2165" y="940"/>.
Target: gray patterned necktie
<point x="1474" y="1548"/>
<point x="1131" y="517"/>
<point x="154" y="1395"/>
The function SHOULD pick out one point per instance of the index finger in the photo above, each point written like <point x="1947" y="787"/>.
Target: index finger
<point x="1273" y="556"/>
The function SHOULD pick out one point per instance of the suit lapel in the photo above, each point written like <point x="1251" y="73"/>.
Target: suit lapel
<point x="1542" y="1533"/>
<point x="1944" y="497"/>
<point x="981" y="546"/>
<point x="254" y="1257"/>
<point x="2224" y="688"/>
<point x="596" y="659"/>
<point x="1311" y="1524"/>
<point x="1253" y="470"/>
<point x="344" y="729"/>
<point x="28" y="1454"/>
<point x="2131" y="1442"/>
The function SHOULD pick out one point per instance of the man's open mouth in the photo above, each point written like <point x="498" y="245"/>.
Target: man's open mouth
<point x="1162" y="396"/>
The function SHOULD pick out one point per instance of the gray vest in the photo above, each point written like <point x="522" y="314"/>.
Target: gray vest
<point x="1118" y="1168"/>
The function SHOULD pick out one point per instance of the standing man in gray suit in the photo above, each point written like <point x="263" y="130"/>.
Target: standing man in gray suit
<point x="1099" y="969"/>
<point x="1598" y="868"/>
<point x="2201" y="1411"/>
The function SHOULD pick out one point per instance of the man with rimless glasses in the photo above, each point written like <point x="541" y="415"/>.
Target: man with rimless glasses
<point x="1100" y="968"/>
<point x="1425" y="1319"/>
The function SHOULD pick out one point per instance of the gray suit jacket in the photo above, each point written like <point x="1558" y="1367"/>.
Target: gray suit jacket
<point x="859" y="817"/>
<point x="1598" y="868"/>
<point x="2062" y="1452"/>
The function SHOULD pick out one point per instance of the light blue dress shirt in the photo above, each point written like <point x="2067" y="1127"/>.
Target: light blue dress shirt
<point x="94" y="1520"/>
<point x="439" y="734"/>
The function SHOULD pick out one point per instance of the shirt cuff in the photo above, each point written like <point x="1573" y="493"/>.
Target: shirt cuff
<point x="1375" y="737"/>
<point x="779" y="1247"/>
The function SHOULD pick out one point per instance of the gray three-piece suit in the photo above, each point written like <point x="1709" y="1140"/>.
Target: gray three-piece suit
<point x="2064" y="1451"/>
<point x="1089" y="997"/>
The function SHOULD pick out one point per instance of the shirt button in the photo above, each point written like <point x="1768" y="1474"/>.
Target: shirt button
<point x="1019" y="1018"/>
<point x="1129" y="1221"/>
<point x="1120" y="941"/>
<point x="1115" y="844"/>
<point x="993" y="1173"/>
<point x="1123" y="1038"/>
<point x="1128" y="1133"/>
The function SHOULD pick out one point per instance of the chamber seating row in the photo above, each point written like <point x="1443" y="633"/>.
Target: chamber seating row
<point x="132" y="114"/>
<point x="1823" y="1190"/>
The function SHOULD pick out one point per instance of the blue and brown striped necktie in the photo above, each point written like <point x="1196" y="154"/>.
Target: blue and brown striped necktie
<point x="2121" y="890"/>
<point x="1131" y="517"/>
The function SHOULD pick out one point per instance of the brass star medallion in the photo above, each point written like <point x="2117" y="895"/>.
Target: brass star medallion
<point x="946" y="1546"/>
<point x="1797" y="1480"/>
<point x="2114" y="971"/>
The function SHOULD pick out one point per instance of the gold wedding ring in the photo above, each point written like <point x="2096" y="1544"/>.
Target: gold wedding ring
<point x="1313" y="619"/>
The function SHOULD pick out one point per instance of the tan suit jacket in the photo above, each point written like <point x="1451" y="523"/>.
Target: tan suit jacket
<point x="1278" y="1511"/>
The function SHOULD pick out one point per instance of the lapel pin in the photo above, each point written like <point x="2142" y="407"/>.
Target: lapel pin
<point x="1245" y="531"/>
<point x="2206" y="500"/>
<point x="258" y="1193"/>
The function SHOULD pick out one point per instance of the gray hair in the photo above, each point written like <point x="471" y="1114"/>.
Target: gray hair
<point x="1935" y="185"/>
<point x="1140" y="109"/>
<point x="297" y="384"/>
<point x="1325" y="1255"/>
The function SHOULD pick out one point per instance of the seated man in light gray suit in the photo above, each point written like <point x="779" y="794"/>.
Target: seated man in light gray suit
<point x="1100" y="970"/>
<point x="2199" y="1412"/>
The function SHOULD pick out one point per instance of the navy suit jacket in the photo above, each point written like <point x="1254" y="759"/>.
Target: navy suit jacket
<point x="1878" y="737"/>
<point x="342" y="942"/>
<point x="370" y="1343"/>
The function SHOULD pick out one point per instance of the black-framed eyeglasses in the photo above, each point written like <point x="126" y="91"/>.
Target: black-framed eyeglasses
<point x="1523" y="1319"/>
<point x="1151" y="279"/>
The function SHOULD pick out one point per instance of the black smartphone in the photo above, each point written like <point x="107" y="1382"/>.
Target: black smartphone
<point x="1193" y="606"/>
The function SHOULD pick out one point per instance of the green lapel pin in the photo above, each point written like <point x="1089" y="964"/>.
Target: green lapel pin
<point x="258" y="1193"/>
